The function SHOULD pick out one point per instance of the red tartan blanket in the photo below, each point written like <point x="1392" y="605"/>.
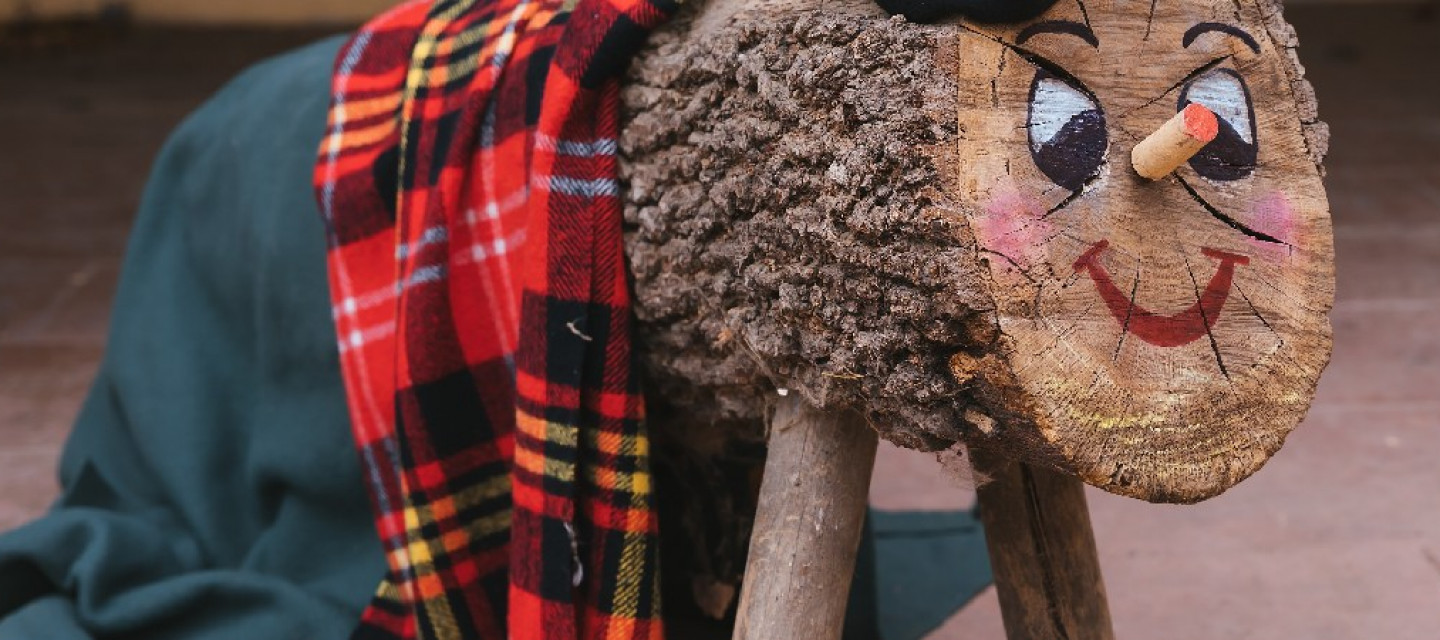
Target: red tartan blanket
<point x="469" y="183"/>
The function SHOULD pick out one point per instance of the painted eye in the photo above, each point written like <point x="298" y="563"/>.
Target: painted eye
<point x="1231" y="156"/>
<point x="1067" y="131"/>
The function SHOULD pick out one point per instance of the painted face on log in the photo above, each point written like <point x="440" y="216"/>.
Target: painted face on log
<point x="939" y="225"/>
<point x="1166" y="335"/>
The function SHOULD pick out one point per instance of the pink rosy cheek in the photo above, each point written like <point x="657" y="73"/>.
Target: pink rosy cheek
<point x="1273" y="215"/>
<point x="1013" y="226"/>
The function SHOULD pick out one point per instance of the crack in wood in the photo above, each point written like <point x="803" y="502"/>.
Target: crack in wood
<point x="1214" y="346"/>
<point x="1129" y="311"/>
<point x="1039" y="533"/>
<point x="995" y="81"/>
<point x="1036" y="302"/>
<point x="1023" y="271"/>
<point x="1150" y="22"/>
<point x="1036" y="60"/>
<point x="1197" y="72"/>
<point x="1246" y="298"/>
<point x="1062" y="335"/>
<point x="1075" y="195"/>
<point x="1071" y="280"/>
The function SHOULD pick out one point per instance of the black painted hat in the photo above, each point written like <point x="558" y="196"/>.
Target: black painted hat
<point x="978" y="10"/>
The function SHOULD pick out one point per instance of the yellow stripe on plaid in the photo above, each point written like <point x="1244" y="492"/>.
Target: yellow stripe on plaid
<point x="461" y="67"/>
<point x="442" y="620"/>
<point x="362" y="109"/>
<point x="424" y="50"/>
<point x="389" y="592"/>
<point x="634" y="447"/>
<point x="466" y="65"/>
<point x="418" y="556"/>
<point x="630" y="577"/>
<point x="433" y="53"/>
<point x="533" y="459"/>
<point x="350" y="138"/>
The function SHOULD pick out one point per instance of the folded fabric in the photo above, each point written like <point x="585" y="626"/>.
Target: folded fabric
<point x="929" y="565"/>
<point x="483" y="315"/>
<point x="210" y="488"/>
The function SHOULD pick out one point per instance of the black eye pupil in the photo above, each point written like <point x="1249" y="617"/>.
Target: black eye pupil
<point x="1233" y="154"/>
<point x="1228" y="156"/>
<point x="1068" y="137"/>
<point x="1075" y="153"/>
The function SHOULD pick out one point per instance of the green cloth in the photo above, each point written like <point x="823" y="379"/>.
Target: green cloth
<point x="211" y="489"/>
<point x="914" y="570"/>
<point x="929" y="564"/>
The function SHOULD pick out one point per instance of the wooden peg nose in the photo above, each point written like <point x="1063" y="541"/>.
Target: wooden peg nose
<point x="1175" y="142"/>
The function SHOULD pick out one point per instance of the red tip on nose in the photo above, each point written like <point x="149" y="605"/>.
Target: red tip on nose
<point x="1200" y="122"/>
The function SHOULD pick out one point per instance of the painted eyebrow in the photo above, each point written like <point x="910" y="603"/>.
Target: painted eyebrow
<point x="1219" y="27"/>
<point x="1059" y="26"/>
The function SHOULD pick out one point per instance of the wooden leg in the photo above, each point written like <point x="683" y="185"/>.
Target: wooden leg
<point x="1042" y="552"/>
<point x="807" y="524"/>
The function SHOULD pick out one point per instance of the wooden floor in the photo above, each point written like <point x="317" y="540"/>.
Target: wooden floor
<point x="1339" y="537"/>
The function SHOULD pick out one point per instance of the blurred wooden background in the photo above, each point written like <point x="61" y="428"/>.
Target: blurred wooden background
<point x="1338" y="538"/>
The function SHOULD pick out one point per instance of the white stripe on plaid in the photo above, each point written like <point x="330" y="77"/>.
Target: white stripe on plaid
<point x="509" y="322"/>
<point x="596" y="188"/>
<point x="462" y="255"/>
<point x="433" y="235"/>
<point x="369" y="426"/>
<point x="600" y="147"/>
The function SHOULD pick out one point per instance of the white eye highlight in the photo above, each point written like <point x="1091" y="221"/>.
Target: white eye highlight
<point x="1224" y="93"/>
<point x="1053" y="105"/>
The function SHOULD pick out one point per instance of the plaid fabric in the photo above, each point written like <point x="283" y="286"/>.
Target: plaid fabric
<point x="469" y="183"/>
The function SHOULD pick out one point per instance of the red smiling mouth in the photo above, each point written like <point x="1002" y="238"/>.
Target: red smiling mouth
<point x="1164" y="331"/>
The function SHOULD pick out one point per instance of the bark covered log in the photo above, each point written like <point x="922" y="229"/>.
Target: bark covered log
<point x="938" y="226"/>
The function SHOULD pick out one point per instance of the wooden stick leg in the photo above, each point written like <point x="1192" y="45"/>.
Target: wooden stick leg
<point x="1042" y="552"/>
<point x="807" y="524"/>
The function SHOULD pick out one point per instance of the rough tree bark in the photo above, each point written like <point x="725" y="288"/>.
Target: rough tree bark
<point x="938" y="226"/>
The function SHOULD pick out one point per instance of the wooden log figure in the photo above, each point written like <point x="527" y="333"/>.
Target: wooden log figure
<point x="956" y="230"/>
